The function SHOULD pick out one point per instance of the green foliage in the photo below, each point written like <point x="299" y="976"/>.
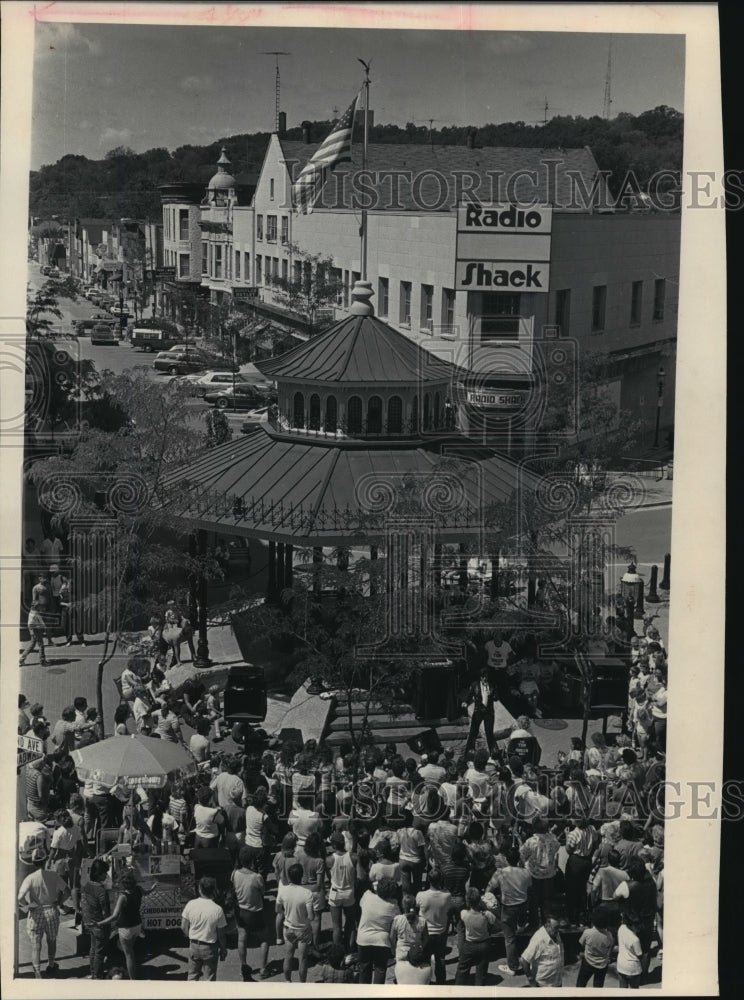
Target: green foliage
<point x="156" y="430"/>
<point x="324" y="618"/>
<point x="218" y="428"/>
<point x="315" y="289"/>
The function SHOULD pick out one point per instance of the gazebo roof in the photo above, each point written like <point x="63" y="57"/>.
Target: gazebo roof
<point x="361" y="350"/>
<point x="295" y="491"/>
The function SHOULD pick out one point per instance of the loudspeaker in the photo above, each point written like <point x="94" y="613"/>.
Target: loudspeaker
<point x="609" y="693"/>
<point x="425" y="741"/>
<point x="245" y="694"/>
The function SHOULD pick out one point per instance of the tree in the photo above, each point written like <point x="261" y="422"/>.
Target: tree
<point x="313" y="286"/>
<point x="59" y="384"/>
<point x="149" y="541"/>
<point x="218" y="428"/>
<point x="324" y="618"/>
<point x="45" y="303"/>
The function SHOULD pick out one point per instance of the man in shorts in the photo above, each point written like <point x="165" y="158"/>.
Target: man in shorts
<point x="252" y="926"/>
<point x="41" y="894"/>
<point x="295" y="904"/>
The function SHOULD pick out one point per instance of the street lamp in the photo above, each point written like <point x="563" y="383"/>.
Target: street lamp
<point x="660" y="380"/>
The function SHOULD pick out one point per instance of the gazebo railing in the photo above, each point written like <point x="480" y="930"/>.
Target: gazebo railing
<point x="249" y="510"/>
<point x="286" y="423"/>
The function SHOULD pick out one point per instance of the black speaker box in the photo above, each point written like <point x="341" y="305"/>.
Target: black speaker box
<point x="245" y="694"/>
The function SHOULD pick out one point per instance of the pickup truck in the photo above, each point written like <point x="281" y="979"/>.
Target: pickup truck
<point x="152" y="340"/>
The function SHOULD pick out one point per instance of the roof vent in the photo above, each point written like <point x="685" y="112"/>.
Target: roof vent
<point x="361" y="294"/>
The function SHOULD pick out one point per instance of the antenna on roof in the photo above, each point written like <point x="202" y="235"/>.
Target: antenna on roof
<point x="278" y="85"/>
<point x="608" y="84"/>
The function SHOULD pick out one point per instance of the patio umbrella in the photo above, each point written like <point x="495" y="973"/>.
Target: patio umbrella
<point x="132" y="761"/>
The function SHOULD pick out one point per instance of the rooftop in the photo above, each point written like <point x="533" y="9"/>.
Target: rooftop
<point x="493" y="165"/>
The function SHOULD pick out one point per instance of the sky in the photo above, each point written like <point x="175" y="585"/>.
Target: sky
<point x="98" y="86"/>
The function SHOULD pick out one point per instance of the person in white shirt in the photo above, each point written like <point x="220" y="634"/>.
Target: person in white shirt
<point x="414" y="969"/>
<point x="294" y="904"/>
<point x="204" y="924"/>
<point x="629" y="954"/>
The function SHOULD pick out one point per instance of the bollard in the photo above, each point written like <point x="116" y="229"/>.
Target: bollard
<point x="652" y="597"/>
<point x="639" y="609"/>
<point x="664" y="584"/>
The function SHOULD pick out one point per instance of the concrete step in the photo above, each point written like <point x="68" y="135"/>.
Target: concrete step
<point x="401" y="734"/>
<point x="340" y="721"/>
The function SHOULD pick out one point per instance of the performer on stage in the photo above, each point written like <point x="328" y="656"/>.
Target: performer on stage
<point x="481" y="694"/>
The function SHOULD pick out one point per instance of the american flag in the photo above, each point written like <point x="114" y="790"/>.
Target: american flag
<point x="335" y="148"/>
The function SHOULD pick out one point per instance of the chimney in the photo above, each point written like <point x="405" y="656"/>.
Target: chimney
<point x="282" y="122"/>
<point x="306" y="133"/>
<point x="471" y="138"/>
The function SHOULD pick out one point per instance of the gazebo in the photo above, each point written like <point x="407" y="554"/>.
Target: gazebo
<point x="364" y="417"/>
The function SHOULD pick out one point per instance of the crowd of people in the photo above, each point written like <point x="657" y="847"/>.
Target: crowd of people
<point x="408" y="857"/>
<point x="486" y="853"/>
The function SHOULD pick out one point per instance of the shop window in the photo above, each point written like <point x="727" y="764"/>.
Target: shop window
<point x="659" y="297"/>
<point x="599" y="304"/>
<point x="427" y="307"/>
<point x="404" y="314"/>
<point x="500" y="316"/>
<point x="562" y="311"/>
<point x="383" y="295"/>
<point x="636" y="303"/>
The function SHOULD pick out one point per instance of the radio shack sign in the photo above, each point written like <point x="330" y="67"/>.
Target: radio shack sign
<point x="496" y="398"/>
<point x="503" y="248"/>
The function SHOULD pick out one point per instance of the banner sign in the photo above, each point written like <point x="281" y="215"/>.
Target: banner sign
<point x="503" y="248"/>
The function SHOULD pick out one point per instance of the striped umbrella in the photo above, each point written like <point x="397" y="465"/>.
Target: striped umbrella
<point x="132" y="761"/>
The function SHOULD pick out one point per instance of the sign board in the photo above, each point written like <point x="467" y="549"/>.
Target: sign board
<point x="161" y="908"/>
<point x="503" y="248"/>
<point x="165" y="272"/>
<point x="246" y="292"/>
<point x="495" y="397"/>
<point x="29" y="748"/>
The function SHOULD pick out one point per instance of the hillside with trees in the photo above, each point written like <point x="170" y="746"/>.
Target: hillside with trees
<point x="125" y="183"/>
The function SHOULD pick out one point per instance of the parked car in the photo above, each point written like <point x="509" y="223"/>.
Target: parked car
<point x="178" y="364"/>
<point x="81" y="325"/>
<point x="102" y="333"/>
<point x="213" y="381"/>
<point x="186" y="382"/>
<point x="253" y="419"/>
<point x="243" y="397"/>
<point x="117" y="310"/>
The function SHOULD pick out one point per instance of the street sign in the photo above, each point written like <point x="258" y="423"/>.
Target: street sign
<point x="29" y="748"/>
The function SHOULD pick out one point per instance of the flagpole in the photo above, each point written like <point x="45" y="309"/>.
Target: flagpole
<point x="364" y="168"/>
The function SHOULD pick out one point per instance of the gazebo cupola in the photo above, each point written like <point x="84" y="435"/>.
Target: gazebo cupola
<point x="361" y="380"/>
